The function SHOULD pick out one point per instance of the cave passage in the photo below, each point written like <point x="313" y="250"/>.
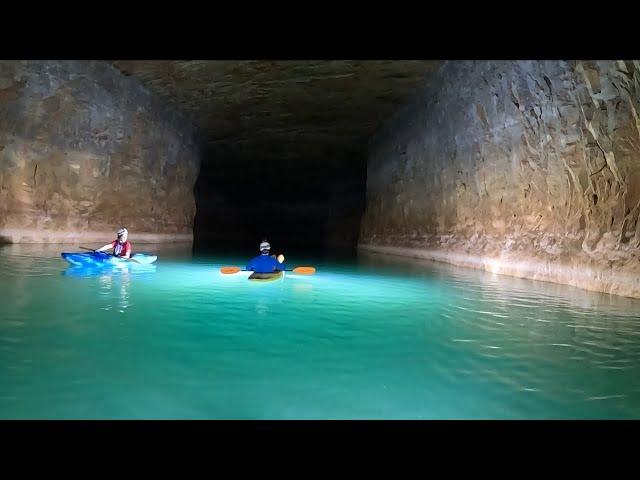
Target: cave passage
<point x="521" y="170"/>
<point x="525" y="168"/>
<point x="300" y="205"/>
<point x="283" y="144"/>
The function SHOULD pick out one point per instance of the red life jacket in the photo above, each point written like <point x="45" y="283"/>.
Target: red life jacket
<point x="121" y="249"/>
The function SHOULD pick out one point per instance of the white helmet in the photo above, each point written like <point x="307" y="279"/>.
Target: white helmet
<point x="123" y="231"/>
<point x="265" y="246"/>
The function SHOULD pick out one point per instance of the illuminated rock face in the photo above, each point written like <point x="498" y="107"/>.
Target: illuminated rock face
<point x="525" y="168"/>
<point x="84" y="150"/>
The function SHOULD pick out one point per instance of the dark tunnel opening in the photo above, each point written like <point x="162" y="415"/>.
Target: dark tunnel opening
<point x="302" y="205"/>
<point x="284" y="144"/>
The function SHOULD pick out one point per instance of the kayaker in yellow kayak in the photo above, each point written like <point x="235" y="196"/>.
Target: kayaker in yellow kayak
<point x="264" y="263"/>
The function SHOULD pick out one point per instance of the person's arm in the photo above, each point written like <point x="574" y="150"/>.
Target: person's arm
<point x="127" y="252"/>
<point x="106" y="247"/>
<point x="277" y="266"/>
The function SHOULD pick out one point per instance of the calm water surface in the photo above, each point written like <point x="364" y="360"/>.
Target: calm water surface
<point x="367" y="338"/>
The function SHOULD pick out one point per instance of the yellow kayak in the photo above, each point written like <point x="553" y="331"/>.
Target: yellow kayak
<point x="265" y="277"/>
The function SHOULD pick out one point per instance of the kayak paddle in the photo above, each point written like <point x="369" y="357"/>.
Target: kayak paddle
<point x="124" y="258"/>
<point x="300" y="270"/>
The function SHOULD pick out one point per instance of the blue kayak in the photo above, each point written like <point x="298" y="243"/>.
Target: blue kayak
<point x="95" y="259"/>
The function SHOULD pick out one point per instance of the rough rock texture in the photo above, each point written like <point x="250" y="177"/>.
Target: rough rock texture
<point x="525" y="168"/>
<point x="289" y="107"/>
<point x="84" y="150"/>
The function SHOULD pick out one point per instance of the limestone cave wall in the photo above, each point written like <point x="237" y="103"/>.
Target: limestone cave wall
<point x="84" y="150"/>
<point x="528" y="168"/>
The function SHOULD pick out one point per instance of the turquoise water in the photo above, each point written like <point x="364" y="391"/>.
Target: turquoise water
<point x="369" y="338"/>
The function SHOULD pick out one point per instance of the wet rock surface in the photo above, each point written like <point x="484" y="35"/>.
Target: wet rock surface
<point x="84" y="150"/>
<point x="525" y="168"/>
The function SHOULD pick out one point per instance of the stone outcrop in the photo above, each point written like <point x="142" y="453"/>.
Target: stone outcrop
<point x="528" y="168"/>
<point x="84" y="150"/>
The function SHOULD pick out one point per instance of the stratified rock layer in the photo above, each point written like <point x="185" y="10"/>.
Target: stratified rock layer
<point x="84" y="150"/>
<point x="526" y="168"/>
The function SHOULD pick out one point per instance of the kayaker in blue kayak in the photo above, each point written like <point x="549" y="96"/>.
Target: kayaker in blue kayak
<point x="264" y="263"/>
<point x="121" y="247"/>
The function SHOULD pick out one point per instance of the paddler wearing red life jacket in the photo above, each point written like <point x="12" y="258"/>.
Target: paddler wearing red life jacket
<point x="121" y="247"/>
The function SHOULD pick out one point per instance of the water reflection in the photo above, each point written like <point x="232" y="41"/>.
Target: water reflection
<point x="504" y="290"/>
<point x="120" y="284"/>
<point x="582" y="343"/>
<point x="113" y="283"/>
<point x="81" y="271"/>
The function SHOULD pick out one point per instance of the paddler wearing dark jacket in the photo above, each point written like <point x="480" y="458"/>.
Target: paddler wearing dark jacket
<point x="264" y="263"/>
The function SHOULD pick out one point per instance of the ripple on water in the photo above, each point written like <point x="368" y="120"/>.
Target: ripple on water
<point x="352" y="341"/>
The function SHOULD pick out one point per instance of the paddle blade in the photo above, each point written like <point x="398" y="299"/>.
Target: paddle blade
<point x="228" y="270"/>
<point x="304" y="270"/>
